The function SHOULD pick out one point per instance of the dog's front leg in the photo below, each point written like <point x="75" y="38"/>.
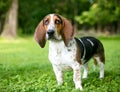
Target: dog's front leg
<point x="77" y="76"/>
<point x="59" y="75"/>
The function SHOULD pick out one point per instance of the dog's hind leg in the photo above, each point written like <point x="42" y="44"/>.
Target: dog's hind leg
<point x="100" y="61"/>
<point x="95" y="64"/>
<point x="85" y="66"/>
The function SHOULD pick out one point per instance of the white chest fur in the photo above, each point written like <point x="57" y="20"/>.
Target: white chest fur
<point x="61" y="56"/>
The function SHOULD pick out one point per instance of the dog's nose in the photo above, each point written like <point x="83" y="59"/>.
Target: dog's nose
<point x="50" y="32"/>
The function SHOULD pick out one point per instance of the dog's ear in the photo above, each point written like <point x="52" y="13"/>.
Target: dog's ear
<point x="40" y="34"/>
<point x="67" y="32"/>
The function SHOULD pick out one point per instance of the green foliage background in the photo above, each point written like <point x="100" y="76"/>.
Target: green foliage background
<point x="102" y="11"/>
<point x="31" y="12"/>
<point x="4" y="6"/>
<point x="85" y="13"/>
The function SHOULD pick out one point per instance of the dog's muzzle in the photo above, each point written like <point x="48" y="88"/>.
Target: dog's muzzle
<point x="50" y="33"/>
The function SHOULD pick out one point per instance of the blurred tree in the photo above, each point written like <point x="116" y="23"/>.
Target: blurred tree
<point x="31" y="12"/>
<point x="4" y="6"/>
<point x="10" y="26"/>
<point x="104" y="15"/>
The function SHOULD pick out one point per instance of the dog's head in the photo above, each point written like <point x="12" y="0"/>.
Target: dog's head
<point x="54" y="27"/>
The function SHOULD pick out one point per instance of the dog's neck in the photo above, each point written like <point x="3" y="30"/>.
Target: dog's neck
<point x="58" y="43"/>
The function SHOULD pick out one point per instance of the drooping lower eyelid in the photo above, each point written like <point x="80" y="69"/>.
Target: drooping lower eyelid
<point x="46" y="22"/>
<point x="57" y="21"/>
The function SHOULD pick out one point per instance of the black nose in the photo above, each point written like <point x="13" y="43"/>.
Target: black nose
<point x="50" y="32"/>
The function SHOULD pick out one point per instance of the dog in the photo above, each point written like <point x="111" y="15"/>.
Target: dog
<point x="66" y="51"/>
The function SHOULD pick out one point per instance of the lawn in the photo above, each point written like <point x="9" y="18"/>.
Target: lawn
<point x="24" y="67"/>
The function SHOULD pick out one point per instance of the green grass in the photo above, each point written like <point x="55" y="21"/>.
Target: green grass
<point x="24" y="67"/>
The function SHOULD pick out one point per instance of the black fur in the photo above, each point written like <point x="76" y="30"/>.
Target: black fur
<point x="89" y="45"/>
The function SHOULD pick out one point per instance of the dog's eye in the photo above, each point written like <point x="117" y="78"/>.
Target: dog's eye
<point x="46" y="22"/>
<point x="57" y="22"/>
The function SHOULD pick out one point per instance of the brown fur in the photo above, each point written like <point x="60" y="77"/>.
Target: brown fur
<point x="58" y="26"/>
<point x="40" y="34"/>
<point x="67" y="32"/>
<point x="47" y="18"/>
<point x="78" y="54"/>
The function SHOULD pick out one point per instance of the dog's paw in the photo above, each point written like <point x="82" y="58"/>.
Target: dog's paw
<point x="80" y="88"/>
<point x="60" y="83"/>
<point x="84" y="76"/>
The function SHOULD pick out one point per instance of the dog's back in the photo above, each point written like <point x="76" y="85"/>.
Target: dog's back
<point x="89" y="46"/>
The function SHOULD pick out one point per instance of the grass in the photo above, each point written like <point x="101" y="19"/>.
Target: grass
<point x="24" y="67"/>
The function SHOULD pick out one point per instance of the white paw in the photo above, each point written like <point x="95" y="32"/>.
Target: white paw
<point x="60" y="83"/>
<point x="101" y="77"/>
<point x="84" y="76"/>
<point x="80" y="87"/>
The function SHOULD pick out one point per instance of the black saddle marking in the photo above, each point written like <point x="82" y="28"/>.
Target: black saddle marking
<point x="88" y="46"/>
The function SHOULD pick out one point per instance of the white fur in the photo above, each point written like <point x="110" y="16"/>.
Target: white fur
<point x="85" y="66"/>
<point x="63" y="58"/>
<point x="51" y="26"/>
<point x="101" y="67"/>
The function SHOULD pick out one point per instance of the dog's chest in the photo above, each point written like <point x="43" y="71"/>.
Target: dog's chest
<point x="62" y="56"/>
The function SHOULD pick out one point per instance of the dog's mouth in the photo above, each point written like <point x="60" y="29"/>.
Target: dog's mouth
<point x="50" y="34"/>
<point x="52" y="37"/>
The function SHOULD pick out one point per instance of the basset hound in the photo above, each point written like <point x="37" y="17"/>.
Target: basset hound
<point x="66" y="51"/>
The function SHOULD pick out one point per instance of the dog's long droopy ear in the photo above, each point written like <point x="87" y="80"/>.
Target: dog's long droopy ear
<point x="67" y="32"/>
<point x="40" y="34"/>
